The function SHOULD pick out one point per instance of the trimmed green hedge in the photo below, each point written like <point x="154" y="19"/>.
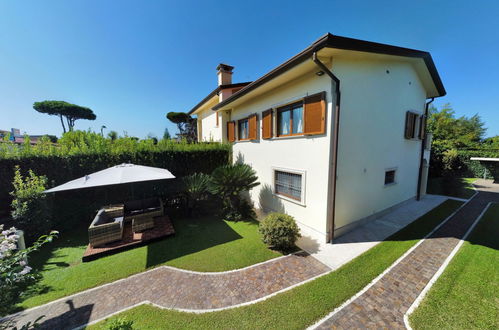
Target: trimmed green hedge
<point x="59" y="169"/>
<point x="459" y="163"/>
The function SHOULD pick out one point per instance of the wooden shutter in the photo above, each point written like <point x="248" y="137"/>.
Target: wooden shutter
<point x="231" y="131"/>
<point x="252" y="127"/>
<point x="410" y="124"/>
<point x="407" y="132"/>
<point x="314" y="109"/>
<point x="267" y="124"/>
<point x="422" y="127"/>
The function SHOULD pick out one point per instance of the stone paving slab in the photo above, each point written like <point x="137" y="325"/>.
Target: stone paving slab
<point x="173" y="288"/>
<point x="352" y="244"/>
<point x="385" y="303"/>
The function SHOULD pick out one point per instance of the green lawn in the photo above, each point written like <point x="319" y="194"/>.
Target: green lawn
<point x="454" y="187"/>
<point x="206" y="244"/>
<point x="301" y="306"/>
<point x="466" y="296"/>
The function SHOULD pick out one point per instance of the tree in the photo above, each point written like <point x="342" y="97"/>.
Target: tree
<point x="68" y="111"/>
<point x="153" y="137"/>
<point x="113" y="135"/>
<point x="449" y="135"/>
<point x="492" y="142"/>
<point x="451" y="132"/>
<point x="185" y="123"/>
<point x="166" y="135"/>
<point x="52" y="138"/>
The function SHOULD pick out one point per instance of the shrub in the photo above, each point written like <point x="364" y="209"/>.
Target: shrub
<point x="229" y="182"/>
<point x="29" y="207"/>
<point x="120" y="323"/>
<point x="196" y="189"/>
<point x="244" y="211"/>
<point x="279" y="231"/>
<point x="15" y="274"/>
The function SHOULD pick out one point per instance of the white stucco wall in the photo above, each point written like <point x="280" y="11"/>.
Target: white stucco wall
<point x="307" y="154"/>
<point x="373" y="109"/>
<point x="210" y="132"/>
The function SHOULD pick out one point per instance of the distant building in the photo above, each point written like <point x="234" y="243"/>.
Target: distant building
<point x="18" y="138"/>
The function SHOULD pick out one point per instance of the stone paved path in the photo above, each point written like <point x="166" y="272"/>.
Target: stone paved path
<point x="384" y="304"/>
<point x="174" y="288"/>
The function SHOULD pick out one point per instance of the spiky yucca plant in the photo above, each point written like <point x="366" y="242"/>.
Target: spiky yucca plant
<point x="196" y="189"/>
<point x="228" y="182"/>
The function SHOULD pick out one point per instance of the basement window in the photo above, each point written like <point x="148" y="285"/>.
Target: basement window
<point x="289" y="184"/>
<point x="389" y="177"/>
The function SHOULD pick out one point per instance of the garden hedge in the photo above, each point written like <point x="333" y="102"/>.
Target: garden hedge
<point x="62" y="168"/>
<point x="460" y="164"/>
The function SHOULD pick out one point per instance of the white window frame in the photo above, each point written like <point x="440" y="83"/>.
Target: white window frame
<point x="394" y="177"/>
<point x="303" y="184"/>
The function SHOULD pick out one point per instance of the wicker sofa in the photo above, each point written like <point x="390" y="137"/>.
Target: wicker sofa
<point x="105" y="228"/>
<point x="142" y="213"/>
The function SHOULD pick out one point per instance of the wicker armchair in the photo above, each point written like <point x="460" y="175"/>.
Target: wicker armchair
<point x="145" y="208"/>
<point x="114" y="211"/>
<point x="105" y="229"/>
<point x="142" y="223"/>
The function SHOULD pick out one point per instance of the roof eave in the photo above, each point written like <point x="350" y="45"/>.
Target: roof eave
<point x="215" y="92"/>
<point x="337" y="42"/>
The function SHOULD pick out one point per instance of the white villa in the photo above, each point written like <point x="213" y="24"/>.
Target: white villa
<point x="336" y="134"/>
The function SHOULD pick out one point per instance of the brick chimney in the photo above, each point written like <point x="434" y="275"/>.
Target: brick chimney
<point x="224" y="74"/>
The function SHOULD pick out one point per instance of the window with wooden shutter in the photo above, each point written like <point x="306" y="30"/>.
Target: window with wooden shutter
<point x="422" y="127"/>
<point x="410" y="125"/>
<point x="231" y="131"/>
<point x="243" y="129"/>
<point x="253" y="123"/>
<point x="267" y="124"/>
<point x="290" y="119"/>
<point x="315" y="114"/>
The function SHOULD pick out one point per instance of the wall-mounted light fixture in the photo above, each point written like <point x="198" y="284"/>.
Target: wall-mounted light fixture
<point x="320" y="73"/>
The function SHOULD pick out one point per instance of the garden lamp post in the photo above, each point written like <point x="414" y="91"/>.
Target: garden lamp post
<point x="102" y="130"/>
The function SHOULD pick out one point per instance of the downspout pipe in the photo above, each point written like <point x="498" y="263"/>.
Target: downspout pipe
<point x="335" y="88"/>
<point x="423" y="143"/>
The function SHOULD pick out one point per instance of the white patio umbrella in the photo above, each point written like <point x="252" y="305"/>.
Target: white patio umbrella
<point x="119" y="174"/>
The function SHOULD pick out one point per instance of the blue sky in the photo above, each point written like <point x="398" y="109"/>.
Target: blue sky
<point x="133" y="61"/>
